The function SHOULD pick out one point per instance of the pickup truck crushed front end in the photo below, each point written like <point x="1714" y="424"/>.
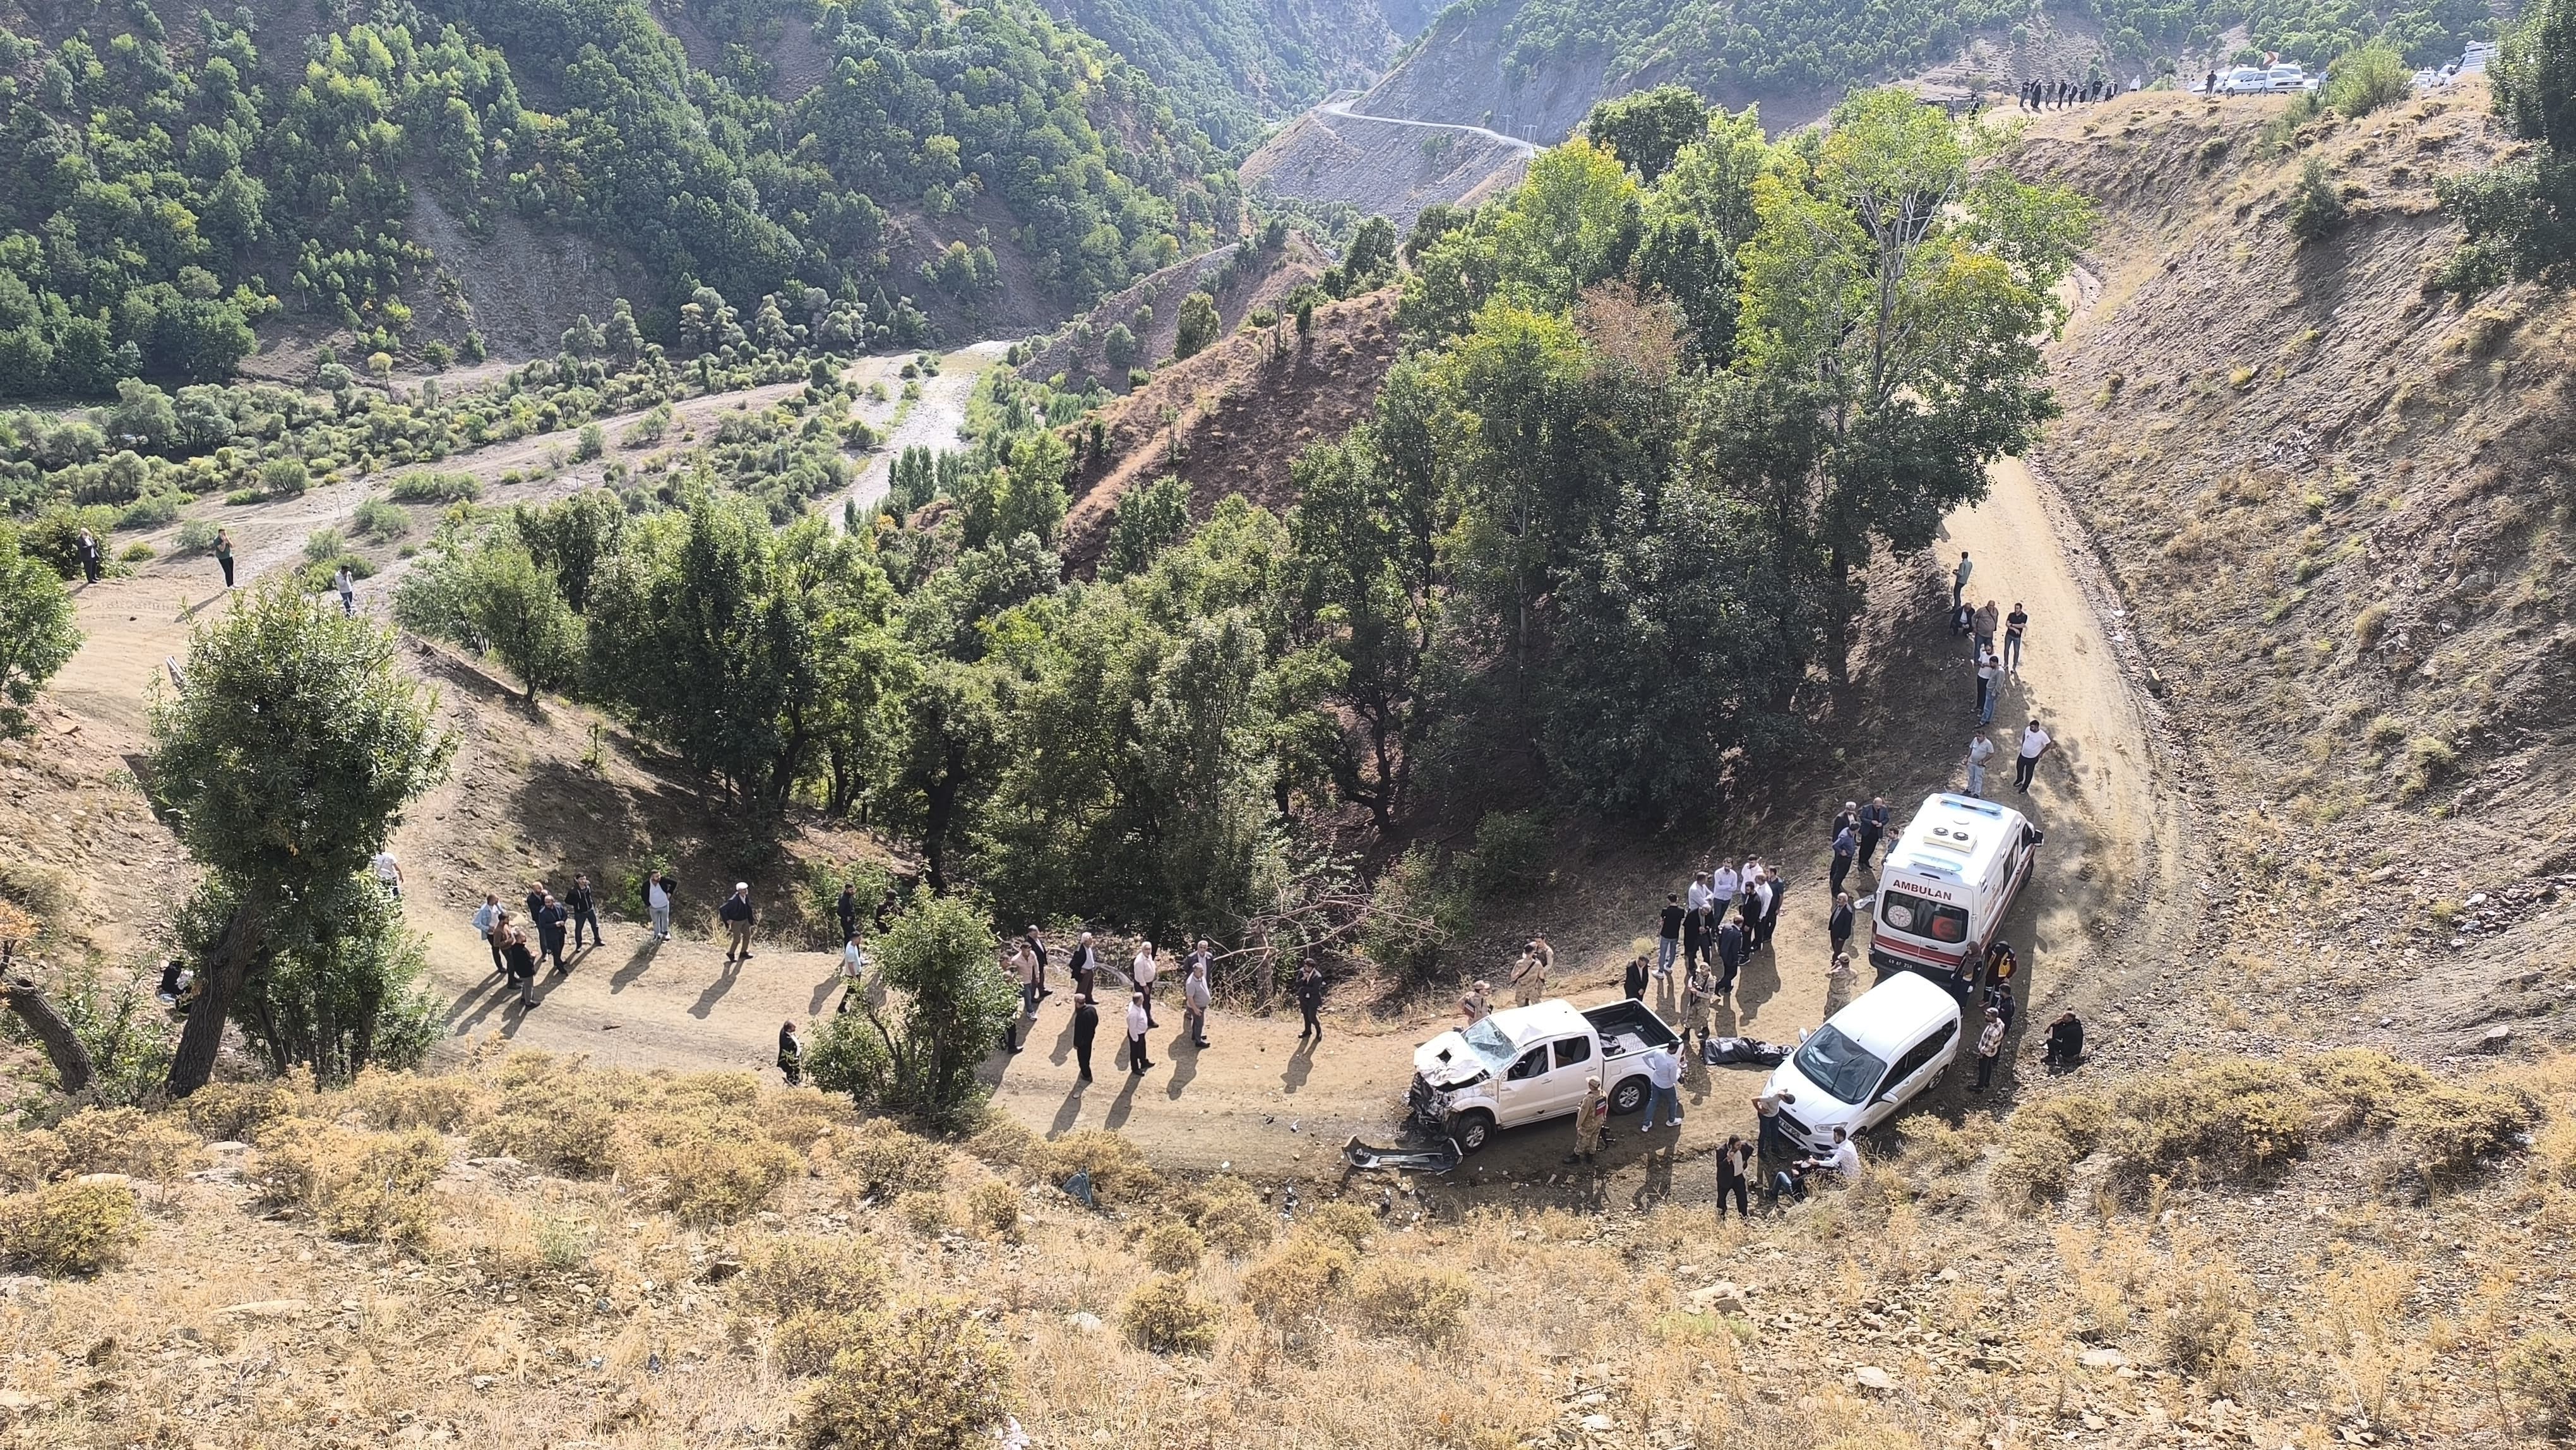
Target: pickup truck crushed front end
<point x="1428" y="1098"/>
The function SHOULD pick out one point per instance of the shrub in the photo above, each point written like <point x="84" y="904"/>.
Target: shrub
<point x="196" y="536"/>
<point x="830" y="1276"/>
<point x="284" y="477"/>
<point x="2043" y="1144"/>
<point x="564" y="1134"/>
<point x="402" y="1100"/>
<point x="324" y="545"/>
<point x="1294" y="1281"/>
<point x="809" y="1340"/>
<point x="1398" y="1301"/>
<point x="2370" y="625"/>
<point x="886" y="1162"/>
<point x="1231" y="1216"/>
<point x="1348" y="1222"/>
<point x="2540" y="1370"/>
<point x="358" y="1186"/>
<point x="70" y="1228"/>
<point x="592" y="441"/>
<point x="2316" y="207"/>
<point x="1166" y="1316"/>
<point x="137" y="553"/>
<point x="150" y="511"/>
<point x="930" y="1380"/>
<point x="1172" y="1246"/>
<point x="235" y="1112"/>
<point x="2202" y="1330"/>
<point x="924" y="1213"/>
<point x="994" y="1206"/>
<point x="2363" y="80"/>
<point x="1118" y="1170"/>
<point x="2230" y="1119"/>
<point x="718" y="1178"/>
<point x="381" y="519"/>
<point x="427" y="487"/>
<point x="32" y="1158"/>
<point x="1511" y="852"/>
<point x="127" y="1140"/>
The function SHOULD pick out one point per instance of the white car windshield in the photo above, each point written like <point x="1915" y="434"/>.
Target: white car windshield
<point x="1839" y="1065"/>
<point x="1489" y="1044"/>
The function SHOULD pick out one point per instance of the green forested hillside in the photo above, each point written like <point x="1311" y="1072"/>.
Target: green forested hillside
<point x="170" y="180"/>
<point x="1780" y="45"/>
<point x="1235" y="63"/>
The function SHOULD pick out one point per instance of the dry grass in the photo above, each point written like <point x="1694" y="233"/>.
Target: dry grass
<point x="522" y="1307"/>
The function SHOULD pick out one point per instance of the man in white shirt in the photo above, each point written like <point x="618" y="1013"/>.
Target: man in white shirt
<point x="1696" y="898"/>
<point x="1664" y="1075"/>
<point x="484" y="920"/>
<point x="1844" y="1160"/>
<point x="1988" y="668"/>
<point x="1137" y="1023"/>
<point x="2035" y="743"/>
<point x="657" y="901"/>
<point x="1980" y="750"/>
<point x="1142" y="971"/>
<point x="1724" y="885"/>
<point x="389" y="873"/>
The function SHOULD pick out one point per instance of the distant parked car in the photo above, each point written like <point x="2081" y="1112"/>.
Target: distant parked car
<point x="2245" y="80"/>
<point x="2287" y="79"/>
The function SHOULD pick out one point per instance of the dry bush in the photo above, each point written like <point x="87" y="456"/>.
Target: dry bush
<point x="2201" y="1329"/>
<point x="886" y="1162"/>
<point x="809" y="1340"/>
<point x="129" y="1141"/>
<point x="1294" y="1281"/>
<point x="791" y="1275"/>
<point x="931" y="1379"/>
<point x="799" y="1117"/>
<point x="359" y="1186"/>
<point x="513" y="1242"/>
<point x="1165" y="1315"/>
<point x="29" y="1159"/>
<point x="234" y="1112"/>
<point x="1119" y="1174"/>
<point x="1005" y="1142"/>
<point x="718" y="1178"/>
<point x="1230" y="1215"/>
<point x="70" y="1227"/>
<point x="1343" y="1220"/>
<point x="558" y="1131"/>
<point x="1172" y="1246"/>
<point x="407" y="1100"/>
<point x="1399" y="1301"/>
<point x="1935" y="1147"/>
<point x="994" y="1207"/>
<point x="925" y="1214"/>
<point x="2231" y="1118"/>
<point x="2540" y="1370"/>
<point x="2043" y="1143"/>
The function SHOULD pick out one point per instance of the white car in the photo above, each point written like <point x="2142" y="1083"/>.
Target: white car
<point x="2286" y="79"/>
<point x="1529" y="1064"/>
<point x="1868" y="1061"/>
<point x="2245" y="80"/>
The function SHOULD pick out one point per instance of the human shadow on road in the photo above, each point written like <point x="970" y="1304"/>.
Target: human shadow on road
<point x="636" y="964"/>
<point x="1300" y="1063"/>
<point x="1185" y="1063"/>
<point x="468" y="1014"/>
<point x="1125" y="1105"/>
<point x="1069" y="1114"/>
<point x="1063" y="1049"/>
<point x="1658" y="1183"/>
<point x="823" y="992"/>
<point x="716" y="990"/>
<point x="1759" y="983"/>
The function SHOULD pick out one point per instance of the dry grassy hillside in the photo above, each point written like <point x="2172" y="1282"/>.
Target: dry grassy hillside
<point x="1233" y="419"/>
<point x="1151" y="309"/>
<point x="527" y="1252"/>
<point x="2336" y="501"/>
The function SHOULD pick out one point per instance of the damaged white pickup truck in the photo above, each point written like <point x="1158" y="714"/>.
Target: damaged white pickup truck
<point x="1528" y="1064"/>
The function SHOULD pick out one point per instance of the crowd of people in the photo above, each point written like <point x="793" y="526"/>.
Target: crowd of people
<point x="1027" y="960"/>
<point x="2057" y="95"/>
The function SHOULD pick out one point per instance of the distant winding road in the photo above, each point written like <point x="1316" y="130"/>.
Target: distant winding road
<point x="1342" y="108"/>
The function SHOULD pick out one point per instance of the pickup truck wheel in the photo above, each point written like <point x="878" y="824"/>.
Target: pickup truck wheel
<point x="1472" y="1131"/>
<point x="1628" y="1097"/>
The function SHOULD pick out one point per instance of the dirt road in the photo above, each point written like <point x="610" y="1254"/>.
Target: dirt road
<point x="930" y="421"/>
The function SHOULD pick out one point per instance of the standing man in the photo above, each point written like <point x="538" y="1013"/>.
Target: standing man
<point x="1195" y="997"/>
<point x="1086" y="967"/>
<point x="1142" y="971"/>
<point x="1037" y="948"/>
<point x="1694" y="936"/>
<point x="1589" y="1120"/>
<point x="1734" y="1175"/>
<point x="1839" y="926"/>
<point x="1137" y="1023"/>
<point x="1990" y="1045"/>
<point x="1086" y="1022"/>
<point x="2035" y="743"/>
<point x="1846" y="850"/>
<point x="1959" y="581"/>
<point x="224" y="555"/>
<point x="1766" y="1114"/>
<point x="1477" y="1004"/>
<point x="550" y="918"/>
<point x="1023" y="971"/>
<point x="347" y="584"/>
<point x="388" y="872"/>
<point x="2014" y="624"/>
<point x="522" y="967"/>
<point x="1698" y="989"/>
<point x="1730" y="954"/>
<point x="1873" y="829"/>
<point x="93" y="563"/>
<point x="1633" y="981"/>
<point x="1776" y="887"/>
<point x="1989" y="684"/>
<point x="791" y="1054"/>
<point x="1757" y="904"/>
<point x="487" y="921"/>
<point x="736" y="916"/>
<point x="1529" y="979"/>
<point x="847" y="909"/>
<point x="1310" y="1000"/>
<point x="1664" y="1076"/>
<point x="1980" y="750"/>
<point x="1669" y="944"/>
<point x="584" y="905"/>
<point x="657" y="903"/>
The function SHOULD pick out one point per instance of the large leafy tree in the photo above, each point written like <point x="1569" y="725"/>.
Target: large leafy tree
<point x="37" y="637"/>
<point x="283" y="757"/>
<point x="1899" y="291"/>
<point x="946" y="1005"/>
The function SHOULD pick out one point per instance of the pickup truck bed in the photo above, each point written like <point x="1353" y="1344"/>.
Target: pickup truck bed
<point x="1628" y="1027"/>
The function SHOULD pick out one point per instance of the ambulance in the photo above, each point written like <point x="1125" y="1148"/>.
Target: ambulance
<point x="1948" y="884"/>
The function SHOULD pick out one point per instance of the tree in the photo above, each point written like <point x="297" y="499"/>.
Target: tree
<point x="517" y="611"/>
<point x="1646" y="129"/>
<point x="1368" y="262"/>
<point x="284" y="756"/>
<point x="948" y="1003"/>
<point x="2316" y="207"/>
<point x="1199" y="326"/>
<point x="1150" y="516"/>
<point x="1901" y="292"/>
<point x="2520" y="214"/>
<point x="1118" y="348"/>
<point x="37" y="637"/>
